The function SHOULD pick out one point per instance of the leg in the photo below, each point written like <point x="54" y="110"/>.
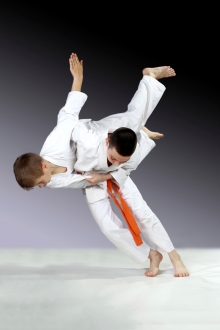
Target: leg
<point x="148" y="94"/>
<point x="112" y="227"/>
<point x="151" y="226"/>
<point x="144" y="101"/>
<point x="145" y="145"/>
<point x="152" y="135"/>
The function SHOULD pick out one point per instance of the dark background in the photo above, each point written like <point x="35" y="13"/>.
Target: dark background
<point x="179" y="179"/>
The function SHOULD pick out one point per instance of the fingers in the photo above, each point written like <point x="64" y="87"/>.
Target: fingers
<point x="76" y="66"/>
<point x="74" y="59"/>
<point x="91" y="181"/>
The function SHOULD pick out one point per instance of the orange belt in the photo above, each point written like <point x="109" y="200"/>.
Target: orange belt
<point x="125" y="210"/>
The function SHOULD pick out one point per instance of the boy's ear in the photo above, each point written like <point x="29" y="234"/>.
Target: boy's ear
<point x="107" y="141"/>
<point x="43" y="165"/>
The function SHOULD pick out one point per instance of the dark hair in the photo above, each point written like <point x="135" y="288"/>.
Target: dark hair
<point x="124" y="140"/>
<point x="27" y="169"/>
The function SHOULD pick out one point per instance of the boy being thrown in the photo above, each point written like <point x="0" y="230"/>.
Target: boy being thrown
<point x="105" y="150"/>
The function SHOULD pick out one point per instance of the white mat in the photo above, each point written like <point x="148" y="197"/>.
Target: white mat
<point x="103" y="290"/>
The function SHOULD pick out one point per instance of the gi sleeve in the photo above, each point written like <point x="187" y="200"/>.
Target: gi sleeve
<point x="71" y="181"/>
<point x="58" y="141"/>
<point x="120" y="176"/>
<point x="77" y="181"/>
<point x="68" y="116"/>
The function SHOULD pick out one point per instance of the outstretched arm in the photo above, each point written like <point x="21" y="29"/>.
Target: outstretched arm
<point x="58" y="142"/>
<point x="76" y="100"/>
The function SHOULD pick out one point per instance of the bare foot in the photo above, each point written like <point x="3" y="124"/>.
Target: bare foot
<point x="180" y="268"/>
<point x="159" y="72"/>
<point x="155" y="260"/>
<point x="152" y="135"/>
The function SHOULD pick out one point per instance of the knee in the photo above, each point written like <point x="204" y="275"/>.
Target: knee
<point x="105" y="228"/>
<point x="148" y="221"/>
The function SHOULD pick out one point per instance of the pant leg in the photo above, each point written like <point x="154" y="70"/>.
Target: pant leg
<point x="145" y="145"/>
<point x="140" y="108"/>
<point x="149" y="224"/>
<point x="146" y="98"/>
<point x="112" y="227"/>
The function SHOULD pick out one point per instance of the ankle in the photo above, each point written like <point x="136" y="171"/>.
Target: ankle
<point x="174" y="256"/>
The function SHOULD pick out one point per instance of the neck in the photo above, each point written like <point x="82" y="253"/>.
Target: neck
<point x="55" y="169"/>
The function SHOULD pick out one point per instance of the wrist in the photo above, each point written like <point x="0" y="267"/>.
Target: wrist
<point x="107" y="176"/>
<point x="77" y="85"/>
<point x="78" y="77"/>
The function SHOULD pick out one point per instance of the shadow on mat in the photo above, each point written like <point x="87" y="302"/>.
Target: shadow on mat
<point x="74" y="271"/>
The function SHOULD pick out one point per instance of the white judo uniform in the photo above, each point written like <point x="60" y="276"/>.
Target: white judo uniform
<point x="85" y="151"/>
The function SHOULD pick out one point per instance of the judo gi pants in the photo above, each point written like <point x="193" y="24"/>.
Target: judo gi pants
<point x="113" y="228"/>
<point x="141" y="106"/>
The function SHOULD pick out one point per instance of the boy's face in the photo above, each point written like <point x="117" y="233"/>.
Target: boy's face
<point x="114" y="157"/>
<point x="45" y="178"/>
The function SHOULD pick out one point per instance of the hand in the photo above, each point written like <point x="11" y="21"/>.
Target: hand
<point x="96" y="178"/>
<point x="76" y="66"/>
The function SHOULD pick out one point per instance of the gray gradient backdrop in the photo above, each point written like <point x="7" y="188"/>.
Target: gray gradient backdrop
<point x="179" y="179"/>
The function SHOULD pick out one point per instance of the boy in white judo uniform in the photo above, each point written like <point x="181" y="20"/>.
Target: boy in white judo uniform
<point x="83" y="146"/>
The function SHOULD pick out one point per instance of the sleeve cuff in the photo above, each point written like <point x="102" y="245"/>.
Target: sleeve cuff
<point x="120" y="176"/>
<point x="75" y="101"/>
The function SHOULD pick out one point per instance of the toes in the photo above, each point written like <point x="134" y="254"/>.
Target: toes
<point x="149" y="274"/>
<point x="181" y="274"/>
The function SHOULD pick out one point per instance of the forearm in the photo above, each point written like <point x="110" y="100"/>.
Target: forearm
<point x="107" y="176"/>
<point x="77" y="84"/>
